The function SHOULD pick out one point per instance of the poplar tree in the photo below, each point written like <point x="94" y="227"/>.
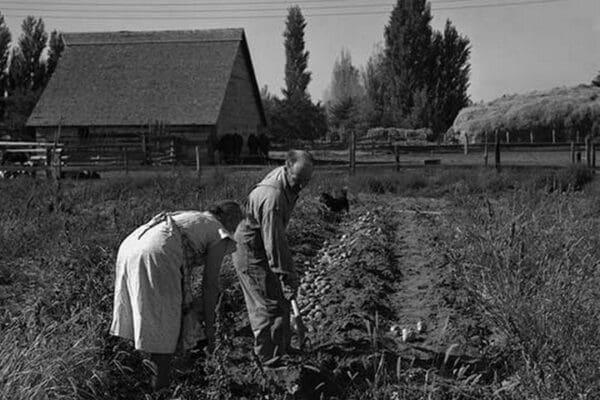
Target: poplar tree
<point x="451" y="76"/>
<point x="56" y="45"/>
<point x="345" y="104"/>
<point x="408" y="56"/>
<point x="32" y="43"/>
<point x="374" y="79"/>
<point x="27" y="75"/>
<point x="5" y="39"/>
<point x="297" y="77"/>
<point x="295" y="116"/>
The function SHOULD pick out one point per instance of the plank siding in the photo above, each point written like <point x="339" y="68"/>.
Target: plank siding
<point x="111" y="139"/>
<point x="240" y="112"/>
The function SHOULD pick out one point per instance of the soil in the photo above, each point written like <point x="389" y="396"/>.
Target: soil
<point x="385" y="273"/>
<point x="367" y="275"/>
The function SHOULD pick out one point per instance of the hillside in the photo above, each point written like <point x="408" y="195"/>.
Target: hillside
<point x="569" y="111"/>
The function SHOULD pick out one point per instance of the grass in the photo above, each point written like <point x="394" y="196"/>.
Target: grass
<point x="469" y="181"/>
<point x="57" y="249"/>
<point x="58" y="245"/>
<point x="530" y="267"/>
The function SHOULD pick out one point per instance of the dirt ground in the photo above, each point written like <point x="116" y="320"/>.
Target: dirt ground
<point x="399" y="280"/>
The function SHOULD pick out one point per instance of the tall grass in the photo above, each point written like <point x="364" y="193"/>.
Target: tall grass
<point x="58" y="246"/>
<point x="530" y="266"/>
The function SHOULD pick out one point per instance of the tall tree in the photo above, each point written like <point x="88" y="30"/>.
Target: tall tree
<point x="451" y="74"/>
<point x="407" y="49"/>
<point x="295" y="116"/>
<point x="32" y="43"/>
<point x="56" y="45"/>
<point x="345" y="102"/>
<point x="374" y="77"/>
<point x="5" y="38"/>
<point x="297" y="77"/>
<point x="27" y="75"/>
<point x="345" y="79"/>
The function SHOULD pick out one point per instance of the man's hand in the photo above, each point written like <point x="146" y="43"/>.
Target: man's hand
<point x="289" y="286"/>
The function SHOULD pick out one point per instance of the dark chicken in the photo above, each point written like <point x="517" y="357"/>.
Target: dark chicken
<point x="336" y="203"/>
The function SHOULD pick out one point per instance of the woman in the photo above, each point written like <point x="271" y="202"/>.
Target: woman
<point x="153" y="296"/>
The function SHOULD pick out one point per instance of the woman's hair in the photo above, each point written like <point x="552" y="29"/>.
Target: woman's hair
<point x="225" y="209"/>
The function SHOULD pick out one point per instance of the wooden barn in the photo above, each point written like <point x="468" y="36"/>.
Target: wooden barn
<point x="144" y="88"/>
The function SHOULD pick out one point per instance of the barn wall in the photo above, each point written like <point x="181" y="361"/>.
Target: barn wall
<point x="132" y="137"/>
<point x="240" y="112"/>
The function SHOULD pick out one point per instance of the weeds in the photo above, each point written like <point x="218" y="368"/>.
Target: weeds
<point x="529" y="265"/>
<point x="532" y="270"/>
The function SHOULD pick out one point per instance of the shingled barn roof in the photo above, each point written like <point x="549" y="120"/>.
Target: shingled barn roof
<point x="136" y="78"/>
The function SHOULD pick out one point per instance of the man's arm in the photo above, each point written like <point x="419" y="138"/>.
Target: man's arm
<point x="276" y="244"/>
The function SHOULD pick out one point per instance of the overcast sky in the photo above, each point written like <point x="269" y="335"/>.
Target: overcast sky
<point x="530" y="45"/>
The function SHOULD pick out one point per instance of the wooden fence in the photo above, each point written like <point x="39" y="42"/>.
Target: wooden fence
<point x="433" y="153"/>
<point x="56" y="159"/>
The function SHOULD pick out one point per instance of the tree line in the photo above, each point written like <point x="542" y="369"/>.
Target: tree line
<point x="418" y="78"/>
<point x="26" y="65"/>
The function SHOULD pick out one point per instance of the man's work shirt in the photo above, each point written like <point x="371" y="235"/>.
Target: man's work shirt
<point x="269" y="208"/>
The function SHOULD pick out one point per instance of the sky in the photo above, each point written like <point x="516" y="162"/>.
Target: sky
<point x="517" y="45"/>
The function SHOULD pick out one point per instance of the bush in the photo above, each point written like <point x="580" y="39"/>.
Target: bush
<point x="573" y="178"/>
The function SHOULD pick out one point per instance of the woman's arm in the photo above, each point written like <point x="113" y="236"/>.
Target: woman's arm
<point x="210" y="285"/>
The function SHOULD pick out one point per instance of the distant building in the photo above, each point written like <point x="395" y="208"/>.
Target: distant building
<point x="122" y="86"/>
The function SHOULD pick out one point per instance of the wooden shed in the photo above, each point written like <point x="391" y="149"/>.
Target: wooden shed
<point x="113" y="87"/>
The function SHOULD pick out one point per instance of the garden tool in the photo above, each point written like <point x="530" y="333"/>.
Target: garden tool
<point x="298" y="324"/>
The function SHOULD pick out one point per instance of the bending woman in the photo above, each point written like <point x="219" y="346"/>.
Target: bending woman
<point x="153" y="297"/>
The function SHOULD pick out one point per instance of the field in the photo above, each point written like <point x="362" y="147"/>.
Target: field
<point x="502" y="269"/>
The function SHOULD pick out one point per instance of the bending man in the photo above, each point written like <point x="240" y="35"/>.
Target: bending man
<point x="263" y="261"/>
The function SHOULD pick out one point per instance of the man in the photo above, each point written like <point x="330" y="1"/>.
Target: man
<point x="263" y="261"/>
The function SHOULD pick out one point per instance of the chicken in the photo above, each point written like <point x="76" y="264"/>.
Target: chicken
<point x="336" y="203"/>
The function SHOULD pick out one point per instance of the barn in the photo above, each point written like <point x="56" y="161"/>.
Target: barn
<point x="194" y="86"/>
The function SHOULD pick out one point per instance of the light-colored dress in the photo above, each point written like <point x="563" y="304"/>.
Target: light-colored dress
<point x="153" y="296"/>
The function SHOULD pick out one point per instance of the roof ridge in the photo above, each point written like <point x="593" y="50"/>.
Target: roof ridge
<point x="153" y="31"/>
<point x="152" y="42"/>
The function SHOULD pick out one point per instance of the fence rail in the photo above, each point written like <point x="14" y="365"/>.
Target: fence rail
<point x="54" y="158"/>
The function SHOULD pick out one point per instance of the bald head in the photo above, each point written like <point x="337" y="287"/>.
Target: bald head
<point x="299" y="165"/>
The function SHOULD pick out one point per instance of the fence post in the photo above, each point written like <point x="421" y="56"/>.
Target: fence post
<point x="172" y="152"/>
<point x="198" y="170"/>
<point x="593" y="157"/>
<point x="588" y="152"/>
<point x="572" y="152"/>
<point x="145" y="148"/>
<point x="56" y="159"/>
<point x="125" y="161"/>
<point x="466" y="144"/>
<point x="351" y="152"/>
<point x="497" y="153"/>
<point x="397" y="156"/>
<point x="530" y="136"/>
<point x="553" y="135"/>
<point x="48" y="162"/>
<point x="485" y="151"/>
<point x="507" y="136"/>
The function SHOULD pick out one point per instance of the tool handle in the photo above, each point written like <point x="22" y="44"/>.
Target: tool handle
<point x="295" y="308"/>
